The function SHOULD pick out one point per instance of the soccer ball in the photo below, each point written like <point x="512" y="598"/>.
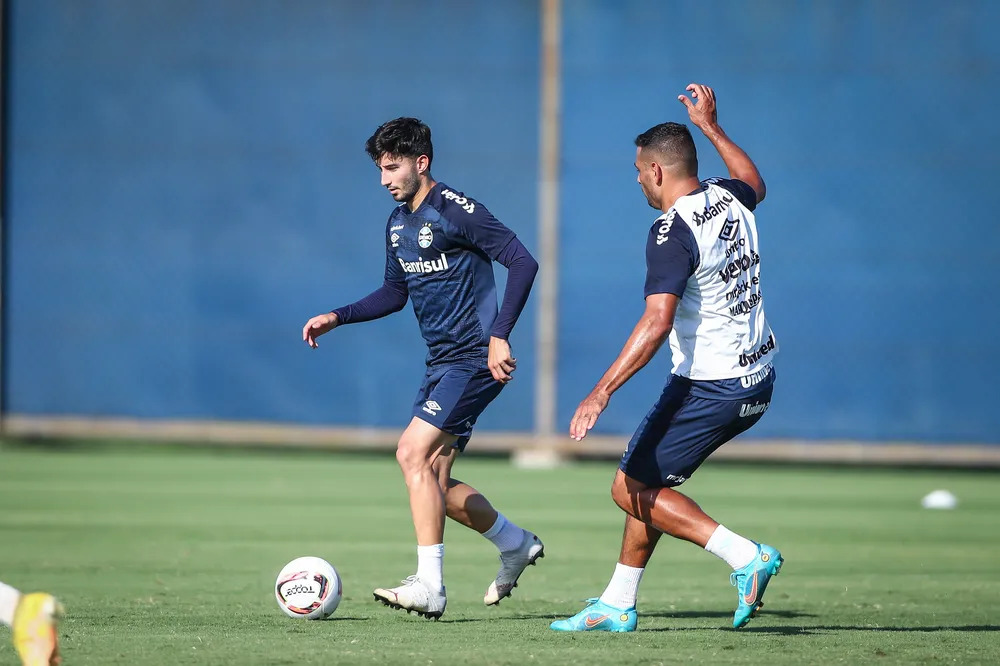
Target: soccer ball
<point x="308" y="588"/>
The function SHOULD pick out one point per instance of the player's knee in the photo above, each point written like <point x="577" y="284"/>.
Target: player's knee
<point x="626" y="494"/>
<point x="620" y="495"/>
<point x="408" y="455"/>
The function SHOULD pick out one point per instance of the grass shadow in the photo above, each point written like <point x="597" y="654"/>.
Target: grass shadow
<point x="810" y="630"/>
<point x="905" y="630"/>
<point x="678" y="615"/>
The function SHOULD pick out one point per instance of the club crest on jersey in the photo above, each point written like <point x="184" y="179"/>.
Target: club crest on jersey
<point x="425" y="236"/>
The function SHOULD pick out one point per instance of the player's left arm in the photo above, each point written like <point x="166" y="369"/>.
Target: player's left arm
<point x="500" y="243"/>
<point x="646" y="339"/>
<point x="704" y="115"/>
<point x="521" y="271"/>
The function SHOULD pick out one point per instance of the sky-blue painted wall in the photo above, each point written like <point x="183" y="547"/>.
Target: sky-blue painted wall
<point x="186" y="185"/>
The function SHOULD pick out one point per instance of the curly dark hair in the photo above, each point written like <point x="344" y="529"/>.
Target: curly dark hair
<point x="402" y="137"/>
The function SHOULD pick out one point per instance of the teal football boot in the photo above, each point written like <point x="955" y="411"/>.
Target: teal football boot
<point x="751" y="582"/>
<point x="598" y="616"/>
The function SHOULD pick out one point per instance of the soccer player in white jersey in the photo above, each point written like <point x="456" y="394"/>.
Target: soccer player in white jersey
<point x="703" y="292"/>
<point x="33" y="619"/>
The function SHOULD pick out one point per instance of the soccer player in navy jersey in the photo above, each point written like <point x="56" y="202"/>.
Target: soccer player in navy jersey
<point x="703" y="292"/>
<point x="440" y="247"/>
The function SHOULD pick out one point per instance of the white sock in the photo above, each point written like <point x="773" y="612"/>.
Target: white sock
<point x="734" y="549"/>
<point x="504" y="534"/>
<point x="429" y="564"/>
<point x="623" y="587"/>
<point x="8" y="602"/>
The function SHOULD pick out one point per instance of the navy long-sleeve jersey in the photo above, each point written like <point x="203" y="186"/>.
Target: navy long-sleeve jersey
<point x="442" y="256"/>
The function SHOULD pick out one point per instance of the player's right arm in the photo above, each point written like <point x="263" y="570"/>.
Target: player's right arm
<point x="671" y="258"/>
<point x="389" y="298"/>
<point x="646" y="339"/>
<point x="704" y="115"/>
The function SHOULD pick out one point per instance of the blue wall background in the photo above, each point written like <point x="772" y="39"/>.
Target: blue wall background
<point x="186" y="185"/>
<point x="874" y="126"/>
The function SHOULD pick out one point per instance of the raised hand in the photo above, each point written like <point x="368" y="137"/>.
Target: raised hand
<point x="702" y="111"/>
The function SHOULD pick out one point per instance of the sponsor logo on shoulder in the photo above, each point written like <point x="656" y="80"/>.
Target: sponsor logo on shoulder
<point x="397" y="227"/>
<point x="662" y="233"/>
<point x="467" y="206"/>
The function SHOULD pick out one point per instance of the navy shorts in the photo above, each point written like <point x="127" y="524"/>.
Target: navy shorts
<point x="453" y="396"/>
<point x="683" y="428"/>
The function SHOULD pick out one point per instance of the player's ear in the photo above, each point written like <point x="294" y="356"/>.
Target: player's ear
<point x="423" y="164"/>
<point x="657" y="173"/>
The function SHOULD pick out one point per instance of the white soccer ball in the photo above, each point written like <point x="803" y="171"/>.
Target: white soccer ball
<point x="308" y="588"/>
<point x="939" y="499"/>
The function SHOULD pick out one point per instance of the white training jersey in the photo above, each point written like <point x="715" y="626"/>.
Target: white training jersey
<point x="705" y="251"/>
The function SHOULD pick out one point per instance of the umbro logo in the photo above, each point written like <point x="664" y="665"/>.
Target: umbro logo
<point x="728" y="232"/>
<point x="432" y="407"/>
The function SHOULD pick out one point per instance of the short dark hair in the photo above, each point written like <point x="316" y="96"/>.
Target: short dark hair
<point x="672" y="141"/>
<point x="402" y="137"/>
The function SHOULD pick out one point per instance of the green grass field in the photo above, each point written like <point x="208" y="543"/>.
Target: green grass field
<point x="167" y="556"/>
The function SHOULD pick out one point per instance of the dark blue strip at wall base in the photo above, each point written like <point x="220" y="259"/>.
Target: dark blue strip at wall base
<point x="186" y="185"/>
